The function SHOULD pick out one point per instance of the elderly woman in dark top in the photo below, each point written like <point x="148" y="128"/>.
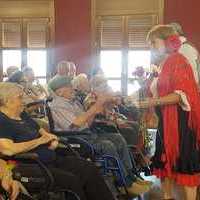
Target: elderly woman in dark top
<point x="19" y="133"/>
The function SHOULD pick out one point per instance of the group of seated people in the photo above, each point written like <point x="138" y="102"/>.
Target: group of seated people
<point x="77" y="102"/>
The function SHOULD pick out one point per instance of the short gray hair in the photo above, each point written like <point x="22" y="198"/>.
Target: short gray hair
<point x="7" y="90"/>
<point x="64" y="68"/>
<point x="78" y="80"/>
<point x="100" y="84"/>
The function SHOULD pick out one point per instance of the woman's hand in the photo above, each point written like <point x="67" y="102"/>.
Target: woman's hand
<point x="11" y="186"/>
<point x="47" y="137"/>
<point x="146" y="103"/>
<point x="170" y="99"/>
<point x="53" y="145"/>
<point x="143" y="104"/>
<point x="15" y="190"/>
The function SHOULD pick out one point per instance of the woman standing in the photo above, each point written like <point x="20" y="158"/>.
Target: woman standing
<point x="175" y="95"/>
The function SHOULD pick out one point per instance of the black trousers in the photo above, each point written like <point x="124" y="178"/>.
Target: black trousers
<point x="79" y="176"/>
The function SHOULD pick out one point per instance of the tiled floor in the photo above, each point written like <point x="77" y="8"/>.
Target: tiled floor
<point x="155" y="192"/>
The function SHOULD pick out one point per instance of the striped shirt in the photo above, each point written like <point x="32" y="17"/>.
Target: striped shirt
<point x="64" y="112"/>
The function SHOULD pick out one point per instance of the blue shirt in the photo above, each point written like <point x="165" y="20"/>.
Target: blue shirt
<point x="64" y="112"/>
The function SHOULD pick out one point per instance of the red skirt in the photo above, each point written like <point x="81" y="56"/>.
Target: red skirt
<point x="186" y="170"/>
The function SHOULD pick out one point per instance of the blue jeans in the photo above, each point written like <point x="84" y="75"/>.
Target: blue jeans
<point x="115" y="145"/>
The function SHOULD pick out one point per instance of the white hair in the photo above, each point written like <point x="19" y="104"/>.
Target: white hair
<point x="78" y="80"/>
<point x="7" y="90"/>
<point x="100" y="84"/>
<point x="63" y="64"/>
<point x="66" y="68"/>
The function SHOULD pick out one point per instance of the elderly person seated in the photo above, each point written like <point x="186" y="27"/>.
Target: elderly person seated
<point x="81" y="86"/>
<point x="33" y="85"/>
<point x="19" y="133"/>
<point x="100" y="84"/>
<point x="19" y="78"/>
<point x="69" y="115"/>
<point x="32" y="93"/>
<point x="117" y="115"/>
<point x="11" y="69"/>
<point x="66" y="68"/>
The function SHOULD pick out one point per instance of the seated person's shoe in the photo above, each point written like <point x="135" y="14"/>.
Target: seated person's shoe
<point x="136" y="189"/>
<point x="144" y="182"/>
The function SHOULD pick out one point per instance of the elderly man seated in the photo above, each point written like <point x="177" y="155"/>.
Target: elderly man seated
<point x="11" y="69"/>
<point x="69" y="115"/>
<point x="81" y="85"/>
<point x="66" y="68"/>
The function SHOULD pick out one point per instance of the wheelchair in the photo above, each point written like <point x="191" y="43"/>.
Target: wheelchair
<point x="136" y="146"/>
<point x="109" y="165"/>
<point x="40" y="184"/>
<point x="136" y="151"/>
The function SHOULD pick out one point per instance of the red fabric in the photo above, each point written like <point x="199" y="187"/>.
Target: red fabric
<point x="177" y="74"/>
<point x="180" y="179"/>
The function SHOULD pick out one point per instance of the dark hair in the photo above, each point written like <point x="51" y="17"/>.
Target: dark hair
<point x="16" y="77"/>
<point x="27" y="69"/>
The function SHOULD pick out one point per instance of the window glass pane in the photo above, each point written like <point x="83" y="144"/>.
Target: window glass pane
<point x="111" y="63"/>
<point x="37" y="60"/>
<point x="11" y="58"/>
<point x="136" y="59"/>
<point x="115" y="85"/>
<point x="42" y="81"/>
<point x="133" y="86"/>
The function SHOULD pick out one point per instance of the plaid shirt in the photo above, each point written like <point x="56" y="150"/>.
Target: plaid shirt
<point x="64" y="112"/>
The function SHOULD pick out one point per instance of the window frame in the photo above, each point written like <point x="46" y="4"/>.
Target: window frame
<point x="125" y="45"/>
<point x="24" y="42"/>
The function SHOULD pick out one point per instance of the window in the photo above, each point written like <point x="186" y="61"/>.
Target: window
<point x="136" y="58"/>
<point x="115" y="85"/>
<point x="111" y="63"/>
<point x="24" y="43"/>
<point x="112" y="68"/>
<point x="122" y="47"/>
<point x="37" y="60"/>
<point x="11" y="58"/>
